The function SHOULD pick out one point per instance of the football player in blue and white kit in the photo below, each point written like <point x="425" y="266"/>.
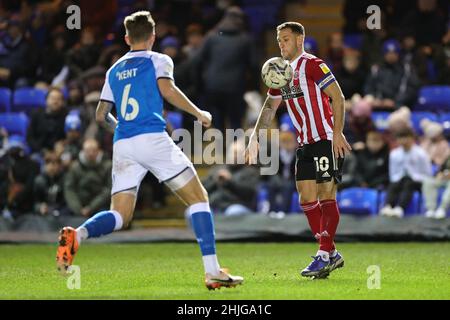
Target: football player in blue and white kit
<point x="136" y="85"/>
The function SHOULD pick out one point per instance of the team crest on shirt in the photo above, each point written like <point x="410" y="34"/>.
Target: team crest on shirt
<point x="296" y="74"/>
<point x="324" y="68"/>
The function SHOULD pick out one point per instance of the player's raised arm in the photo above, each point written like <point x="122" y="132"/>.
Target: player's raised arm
<point x="265" y="117"/>
<point x="104" y="117"/>
<point x="340" y="144"/>
<point x="176" y="97"/>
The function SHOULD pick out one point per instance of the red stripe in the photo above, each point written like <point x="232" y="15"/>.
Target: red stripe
<point x="297" y="117"/>
<point x="315" y="106"/>
<point x="302" y="105"/>
<point x="308" y="123"/>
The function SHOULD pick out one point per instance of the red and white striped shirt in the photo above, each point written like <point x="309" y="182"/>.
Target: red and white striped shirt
<point x="308" y="106"/>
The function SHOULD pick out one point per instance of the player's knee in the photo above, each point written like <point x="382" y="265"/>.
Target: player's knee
<point x="306" y="198"/>
<point x="327" y="195"/>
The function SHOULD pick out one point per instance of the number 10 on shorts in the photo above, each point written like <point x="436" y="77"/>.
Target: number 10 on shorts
<point x="322" y="164"/>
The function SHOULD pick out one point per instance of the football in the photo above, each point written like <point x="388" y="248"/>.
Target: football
<point x="276" y="73"/>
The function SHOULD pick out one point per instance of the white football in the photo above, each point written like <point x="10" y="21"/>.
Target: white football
<point x="276" y="73"/>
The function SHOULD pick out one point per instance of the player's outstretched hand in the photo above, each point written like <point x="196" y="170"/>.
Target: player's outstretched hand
<point x="205" y="118"/>
<point x="340" y="145"/>
<point x="251" y="153"/>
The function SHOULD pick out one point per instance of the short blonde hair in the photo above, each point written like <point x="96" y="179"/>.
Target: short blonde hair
<point x="139" y="26"/>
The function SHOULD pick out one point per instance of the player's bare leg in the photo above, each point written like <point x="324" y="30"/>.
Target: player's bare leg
<point x="121" y="213"/>
<point x="194" y="195"/>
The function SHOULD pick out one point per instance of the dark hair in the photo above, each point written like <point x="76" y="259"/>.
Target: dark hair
<point x="139" y="26"/>
<point x="405" y="133"/>
<point x="294" y="26"/>
<point x="54" y="89"/>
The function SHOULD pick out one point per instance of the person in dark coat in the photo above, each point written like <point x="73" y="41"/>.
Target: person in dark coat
<point x="392" y="83"/>
<point x="47" y="125"/>
<point x="225" y="61"/>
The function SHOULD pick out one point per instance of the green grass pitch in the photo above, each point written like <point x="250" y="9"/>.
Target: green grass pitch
<point x="271" y="271"/>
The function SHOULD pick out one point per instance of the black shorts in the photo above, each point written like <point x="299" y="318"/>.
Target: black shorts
<point x="316" y="162"/>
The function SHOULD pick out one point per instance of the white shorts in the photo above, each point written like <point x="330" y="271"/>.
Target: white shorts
<point x="154" y="152"/>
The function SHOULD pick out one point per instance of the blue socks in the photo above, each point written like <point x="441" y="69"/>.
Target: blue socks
<point x="102" y="223"/>
<point x="203" y="225"/>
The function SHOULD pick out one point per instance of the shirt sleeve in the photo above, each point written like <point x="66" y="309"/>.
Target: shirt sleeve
<point x="163" y="66"/>
<point x="320" y="73"/>
<point x="107" y="94"/>
<point x="274" y="93"/>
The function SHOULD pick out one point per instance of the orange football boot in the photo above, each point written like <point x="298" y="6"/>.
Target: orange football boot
<point x="67" y="248"/>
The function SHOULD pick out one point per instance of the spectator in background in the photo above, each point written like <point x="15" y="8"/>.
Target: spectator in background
<point x="335" y="51"/>
<point x="53" y="59"/>
<point x="87" y="185"/>
<point x="68" y="150"/>
<point x="392" y="84"/>
<point x="351" y="76"/>
<point x="409" y="166"/>
<point x="434" y="142"/>
<point x="372" y="163"/>
<point x="17" y="173"/>
<point x="232" y="187"/>
<point x="17" y="63"/>
<point x="48" y="188"/>
<point x="430" y="190"/>
<point x="83" y="55"/>
<point x="226" y="60"/>
<point x="426" y="22"/>
<point x="75" y="98"/>
<point x="47" y="125"/>
<point x="359" y="122"/>
<point x="194" y="40"/>
<point x="282" y="185"/>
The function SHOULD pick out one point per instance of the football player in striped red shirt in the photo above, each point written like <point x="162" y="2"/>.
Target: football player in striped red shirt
<point x="322" y="145"/>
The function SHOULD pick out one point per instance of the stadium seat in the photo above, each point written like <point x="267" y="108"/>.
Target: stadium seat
<point x="286" y="123"/>
<point x="175" y="119"/>
<point x="14" y="123"/>
<point x="413" y="208"/>
<point x="295" y="203"/>
<point x="27" y="99"/>
<point x="262" y="200"/>
<point x="418" y="116"/>
<point x="380" y="119"/>
<point x="360" y="201"/>
<point x="434" y="97"/>
<point x="5" y="100"/>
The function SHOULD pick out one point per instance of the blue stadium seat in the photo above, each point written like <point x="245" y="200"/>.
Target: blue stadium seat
<point x="360" y="201"/>
<point x="27" y="99"/>
<point x="286" y="123"/>
<point x="380" y="119"/>
<point x="175" y="119"/>
<point x="434" y="97"/>
<point x="418" y="116"/>
<point x="262" y="199"/>
<point x="14" y="123"/>
<point x="413" y="208"/>
<point x="295" y="203"/>
<point x="5" y="100"/>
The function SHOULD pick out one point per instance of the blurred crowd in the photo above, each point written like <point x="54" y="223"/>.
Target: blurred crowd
<point x="62" y="165"/>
